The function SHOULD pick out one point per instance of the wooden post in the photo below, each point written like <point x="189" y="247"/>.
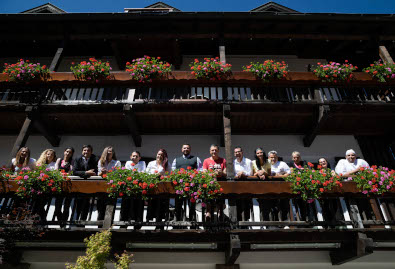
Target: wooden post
<point x="117" y="54"/>
<point x="39" y="125"/>
<point x="222" y="56"/>
<point x="233" y="251"/>
<point x="22" y="138"/>
<point x="228" y="142"/>
<point x="384" y="55"/>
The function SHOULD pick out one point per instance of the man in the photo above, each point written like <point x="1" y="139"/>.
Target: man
<point x="280" y="169"/>
<point x="215" y="163"/>
<point x="297" y="161"/>
<point x="242" y="166"/>
<point x="186" y="160"/>
<point x="350" y="165"/>
<point x="86" y="165"/>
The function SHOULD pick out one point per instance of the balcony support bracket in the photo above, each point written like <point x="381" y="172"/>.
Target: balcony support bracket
<point x="228" y="141"/>
<point x="131" y="122"/>
<point x="323" y="116"/>
<point x="360" y="246"/>
<point x="41" y="127"/>
<point x="233" y="252"/>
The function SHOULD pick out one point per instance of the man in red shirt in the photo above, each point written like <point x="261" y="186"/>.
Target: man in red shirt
<point x="215" y="163"/>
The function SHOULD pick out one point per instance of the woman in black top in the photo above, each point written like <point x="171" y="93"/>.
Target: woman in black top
<point x="66" y="163"/>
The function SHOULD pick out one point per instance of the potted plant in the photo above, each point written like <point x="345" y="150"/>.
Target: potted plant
<point x="381" y="71"/>
<point x="92" y="70"/>
<point x="268" y="70"/>
<point x="211" y="69"/>
<point x="148" y="68"/>
<point x="335" y="72"/>
<point x="24" y="71"/>
<point x="375" y="180"/>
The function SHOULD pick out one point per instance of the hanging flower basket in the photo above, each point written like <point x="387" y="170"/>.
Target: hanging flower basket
<point x="148" y="68"/>
<point x="210" y="69"/>
<point x="375" y="180"/>
<point x="24" y="71"/>
<point x="381" y="71"/>
<point x="335" y="72"/>
<point x="268" y="70"/>
<point x="93" y="70"/>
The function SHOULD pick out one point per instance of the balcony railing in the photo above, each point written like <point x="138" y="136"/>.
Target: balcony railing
<point x="298" y="87"/>
<point x="244" y="205"/>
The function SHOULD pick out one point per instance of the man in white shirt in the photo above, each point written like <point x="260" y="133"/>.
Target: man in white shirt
<point x="279" y="169"/>
<point x="135" y="162"/>
<point x="242" y="166"/>
<point x="350" y="165"/>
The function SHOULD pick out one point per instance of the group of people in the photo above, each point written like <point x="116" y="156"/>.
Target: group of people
<point x="264" y="167"/>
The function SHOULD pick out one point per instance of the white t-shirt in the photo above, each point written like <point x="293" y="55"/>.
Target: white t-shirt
<point x="140" y="166"/>
<point x="31" y="164"/>
<point x="244" y="166"/>
<point x="108" y="166"/>
<point x="344" y="166"/>
<point x="280" y="167"/>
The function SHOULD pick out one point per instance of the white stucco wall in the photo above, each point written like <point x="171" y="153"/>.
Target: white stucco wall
<point x="326" y="145"/>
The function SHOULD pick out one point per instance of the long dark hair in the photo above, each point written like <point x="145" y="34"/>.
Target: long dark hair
<point x="72" y="153"/>
<point x="258" y="161"/>
<point x="165" y="161"/>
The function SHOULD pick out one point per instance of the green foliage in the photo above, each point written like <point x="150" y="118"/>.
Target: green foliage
<point x="311" y="183"/>
<point x="335" y="72"/>
<point x="24" y="71"/>
<point x="98" y="248"/>
<point x="381" y="71"/>
<point x="39" y="181"/>
<point x="148" y="68"/>
<point x="124" y="182"/>
<point x="268" y="70"/>
<point x="211" y="68"/>
<point x="93" y="70"/>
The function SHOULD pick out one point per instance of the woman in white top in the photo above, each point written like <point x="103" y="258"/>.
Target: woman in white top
<point x="48" y="158"/>
<point x="160" y="165"/>
<point x="23" y="160"/>
<point x="108" y="161"/>
<point x="135" y="162"/>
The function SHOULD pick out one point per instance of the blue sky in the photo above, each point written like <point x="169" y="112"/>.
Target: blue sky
<point x="338" y="6"/>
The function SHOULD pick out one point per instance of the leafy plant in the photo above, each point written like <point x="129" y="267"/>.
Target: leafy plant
<point x="194" y="185"/>
<point x="381" y="71"/>
<point x="39" y="181"/>
<point x="335" y="72"/>
<point x="375" y="180"/>
<point x="24" y="71"/>
<point x="268" y="70"/>
<point x="148" y="68"/>
<point x="93" y="70"/>
<point x="211" y="68"/>
<point x="124" y="182"/>
<point x="98" y="247"/>
<point x="311" y="183"/>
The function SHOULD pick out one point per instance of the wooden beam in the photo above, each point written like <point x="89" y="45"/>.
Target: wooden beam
<point x="384" y="55"/>
<point x="228" y="141"/>
<point x="57" y="58"/>
<point x="323" y="115"/>
<point x="22" y="136"/>
<point x="131" y="122"/>
<point x="177" y="56"/>
<point x="40" y="126"/>
<point x="233" y="251"/>
<point x="117" y="54"/>
<point x="357" y="248"/>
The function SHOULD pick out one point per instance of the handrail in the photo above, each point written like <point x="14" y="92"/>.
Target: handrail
<point x="185" y="77"/>
<point x="229" y="188"/>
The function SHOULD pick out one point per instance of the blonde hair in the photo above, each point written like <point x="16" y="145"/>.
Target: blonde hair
<point x="297" y="153"/>
<point x="43" y="157"/>
<point x="103" y="157"/>
<point x="18" y="157"/>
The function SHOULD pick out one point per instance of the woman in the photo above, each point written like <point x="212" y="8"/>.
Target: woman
<point x="160" y="165"/>
<point x="108" y="161"/>
<point x="260" y="167"/>
<point x="65" y="163"/>
<point x="23" y="160"/>
<point x="135" y="162"/>
<point x="324" y="163"/>
<point x="48" y="157"/>
<point x="297" y="161"/>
